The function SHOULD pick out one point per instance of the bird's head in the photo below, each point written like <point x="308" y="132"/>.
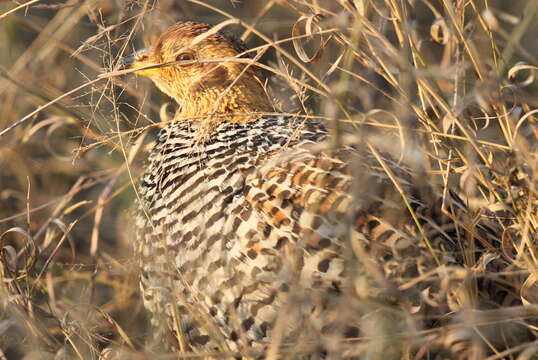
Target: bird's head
<point x="184" y="63"/>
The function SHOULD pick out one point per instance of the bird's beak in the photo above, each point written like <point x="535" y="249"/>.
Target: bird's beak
<point x="136" y="60"/>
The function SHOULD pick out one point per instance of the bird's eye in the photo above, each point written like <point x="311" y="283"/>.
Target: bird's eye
<point x="184" y="57"/>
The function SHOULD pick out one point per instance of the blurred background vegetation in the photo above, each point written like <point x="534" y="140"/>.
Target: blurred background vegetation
<point x="453" y="79"/>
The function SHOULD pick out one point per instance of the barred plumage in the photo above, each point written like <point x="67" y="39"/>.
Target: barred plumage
<point x="232" y="223"/>
<point x="244" y="217"/>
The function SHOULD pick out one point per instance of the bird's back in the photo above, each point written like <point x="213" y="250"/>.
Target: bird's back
<point x="256" y="221"/>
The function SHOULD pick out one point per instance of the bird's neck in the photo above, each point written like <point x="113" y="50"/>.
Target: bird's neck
<point x="239" y="102"/>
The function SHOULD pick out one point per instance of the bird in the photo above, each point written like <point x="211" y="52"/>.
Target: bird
<point x="254" y="232"/>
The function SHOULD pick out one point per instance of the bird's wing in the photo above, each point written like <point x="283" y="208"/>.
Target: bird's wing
<point x="291" y="227"/>
<point x="301" y="205"/>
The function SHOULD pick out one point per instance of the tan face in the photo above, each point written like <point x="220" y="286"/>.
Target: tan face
<point x="203" y="89"/>
<point x="185" y="42"/>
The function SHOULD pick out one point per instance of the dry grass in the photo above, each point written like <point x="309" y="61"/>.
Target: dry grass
<point x="452" y="80"/>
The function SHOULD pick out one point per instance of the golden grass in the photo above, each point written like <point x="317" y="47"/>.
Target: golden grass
<point x="452" y="80"/>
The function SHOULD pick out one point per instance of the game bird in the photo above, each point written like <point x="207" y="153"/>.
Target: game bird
<point x="256" y="234"/>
